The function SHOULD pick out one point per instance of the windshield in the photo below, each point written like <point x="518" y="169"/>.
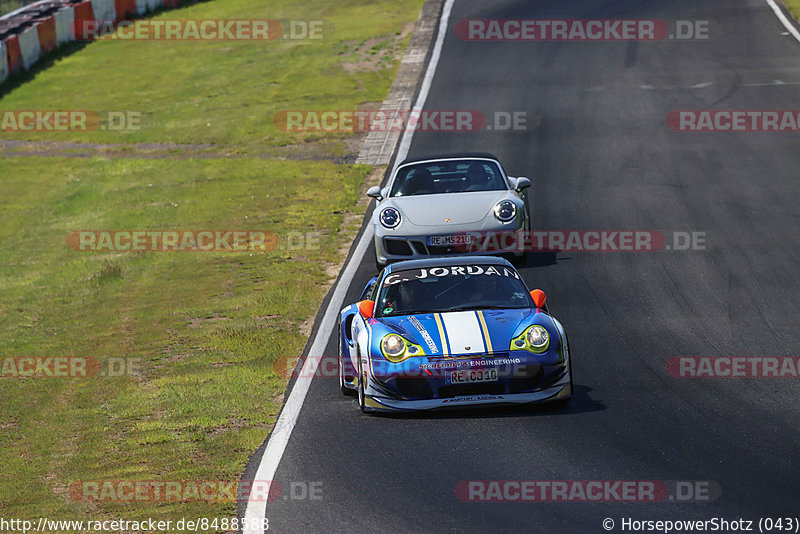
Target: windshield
<point x="451" y="288"/>
<point x="453" y="176"/>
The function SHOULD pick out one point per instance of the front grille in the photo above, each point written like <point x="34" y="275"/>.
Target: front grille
<point x="488" y="357"/>
<point x="436" y="251"/>
<point x="526" y="377"/>
<point x="396" y="247"/>
<point x="414" y="387"/>
<point x="419" y="247"/>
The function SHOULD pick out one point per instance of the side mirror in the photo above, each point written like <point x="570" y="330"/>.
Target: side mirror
<point x="366" y="308"/>
<point x="368" y="288"/>
<point x="523" y="183"/>
<point x="374" y="192"/>
<point x="538" y="298"/>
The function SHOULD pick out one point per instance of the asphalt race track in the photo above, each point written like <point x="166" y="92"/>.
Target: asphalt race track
<point x="601" y="157"/>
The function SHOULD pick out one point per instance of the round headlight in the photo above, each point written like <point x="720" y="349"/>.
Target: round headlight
<point x="538" y="338"/>
<point x="505" y="211"/>
<point x="393" y="346"/>
<point x="390" y="217"/>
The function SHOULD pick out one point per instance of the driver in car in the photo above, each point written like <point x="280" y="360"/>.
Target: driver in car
<point x="480" y="180"/>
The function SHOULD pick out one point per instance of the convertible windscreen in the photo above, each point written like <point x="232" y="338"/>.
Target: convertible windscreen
<point x="451" y="288"/>
<point x="454" y="176"/>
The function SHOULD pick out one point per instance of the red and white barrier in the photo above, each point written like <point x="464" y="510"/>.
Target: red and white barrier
<point x="13" y="54"/>
<point x="64" y="25"/>
<point x="104" y="10"/>
<point x="47" y="35"/>
<point x="29" y="46"/>
<point x="152" y="5"/>
<point x="3" y="62"/>
<point x="125" y="9"/>
<point x="83" y="12"/>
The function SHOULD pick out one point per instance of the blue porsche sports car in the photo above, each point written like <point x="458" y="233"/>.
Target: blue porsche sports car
<point x="451" y="332"/>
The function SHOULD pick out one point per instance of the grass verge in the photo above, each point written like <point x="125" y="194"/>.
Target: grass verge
<point x="794" y="7"/>
<point x="202" y="328"/>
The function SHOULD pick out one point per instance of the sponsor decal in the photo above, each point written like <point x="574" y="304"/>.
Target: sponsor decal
<point x="423" y="332"/>
<point x="473" y="398"/>
<point x="451" y="270"/>
<point x="453" y="364"/>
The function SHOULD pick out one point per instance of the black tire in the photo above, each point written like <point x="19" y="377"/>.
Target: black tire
<point x="344" y="389"/>
<point x="529" y="219"/>
<point x="361" y="395"/>
<point x="562" y="403"/>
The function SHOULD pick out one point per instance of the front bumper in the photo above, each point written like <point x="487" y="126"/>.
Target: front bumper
<point x="390" y="247"/>
<point x="423" y="384"/>
<point x="376" y="403"/>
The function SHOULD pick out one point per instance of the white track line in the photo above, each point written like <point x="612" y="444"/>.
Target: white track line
<point x="785" y="21"/>
<point x="256" y="510"/>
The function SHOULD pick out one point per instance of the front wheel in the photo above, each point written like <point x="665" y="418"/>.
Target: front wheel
<point x="361" y="394"/>
<point x="562" y="403"/>
<point x="342" y="386"/>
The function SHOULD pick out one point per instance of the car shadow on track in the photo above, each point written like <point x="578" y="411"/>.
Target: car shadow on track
<point x="536" y="259"/>
<point x="581" y="402"/>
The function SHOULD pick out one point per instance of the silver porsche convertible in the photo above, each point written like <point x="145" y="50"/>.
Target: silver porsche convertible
<point x="441" y="205"/>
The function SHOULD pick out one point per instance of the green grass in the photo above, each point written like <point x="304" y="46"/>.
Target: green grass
<point x="793" y="6"/>
<point x="226" y="92"/>
<point x="205" y="395"/>
<point x="7" y="6"/>
<point x="205" y="328"/>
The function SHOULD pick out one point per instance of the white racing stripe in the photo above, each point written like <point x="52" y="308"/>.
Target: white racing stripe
<point x="256" y="511"/>
<point x="463" y="332"/>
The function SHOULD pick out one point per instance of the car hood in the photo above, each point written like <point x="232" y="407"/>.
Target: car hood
<point x="462" y="332"/>
<point x="459" y="208"/>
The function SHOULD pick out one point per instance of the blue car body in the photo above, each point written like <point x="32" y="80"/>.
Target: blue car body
<point x="473" y="343"/>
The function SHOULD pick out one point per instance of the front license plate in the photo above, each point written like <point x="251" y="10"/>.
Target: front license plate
<point x="468" y="376"/>
<point x="449" y="240"/>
